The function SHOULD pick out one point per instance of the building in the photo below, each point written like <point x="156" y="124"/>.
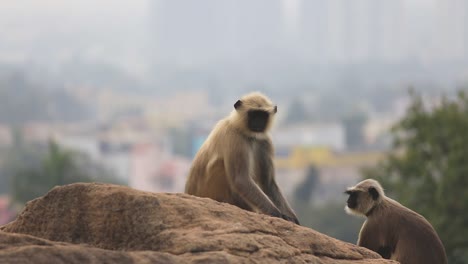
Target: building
<point x="320" y="134"/>
<point x="451" y="21"/>
<point x="340" y="31"/>
<point x="336" y="170"/>
<point x="6" y="214"/>
<point x="154" y="169"/>
<point x="196" y="32"/>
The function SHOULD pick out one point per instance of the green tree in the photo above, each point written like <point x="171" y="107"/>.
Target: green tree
<point x="34" y="170"/>
<point x="427" y="168"/>
<point x="304" y="191"/>
<point x="23" y="100"/>
<point x="330" y="219"/>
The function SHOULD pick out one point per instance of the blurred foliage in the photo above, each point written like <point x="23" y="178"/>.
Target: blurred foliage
<point x="34" y="169"/>
<point x="303" y="192"/>
<point x="427" y="168"/>
<point x="23" y="100"/>
<point x="330" y="219"/>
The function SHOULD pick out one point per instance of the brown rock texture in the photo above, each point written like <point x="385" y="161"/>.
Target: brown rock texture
<point x="103" y="223"/>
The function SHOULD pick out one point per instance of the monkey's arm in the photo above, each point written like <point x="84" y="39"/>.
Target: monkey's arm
<point x="237" y="166"/>
<point x="278" y="199"/>
<point x="268" y="184"/>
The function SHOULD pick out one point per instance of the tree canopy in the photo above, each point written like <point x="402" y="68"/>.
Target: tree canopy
<point x="427" y="168"/>
<point x="304" y="191"/>
<point x="34" y="169"/>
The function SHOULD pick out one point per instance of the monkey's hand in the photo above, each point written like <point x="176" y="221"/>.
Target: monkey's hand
<point x="285" y="217"/>
<point x="290" y="219"/>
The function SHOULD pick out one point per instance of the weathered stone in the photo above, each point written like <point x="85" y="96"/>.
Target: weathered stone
<point x="102" y="223"/>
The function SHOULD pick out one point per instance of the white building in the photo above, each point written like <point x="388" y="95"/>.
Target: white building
<point x="321" y="134"/>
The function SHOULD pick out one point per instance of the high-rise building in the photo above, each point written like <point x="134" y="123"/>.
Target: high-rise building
<point x="341" y="31"/>
<point x="318" y="31"/>
<point x="386" y="39"/>
<point x="315" y="29"/>
<point x="465" y="32"/>
<point x="184" y="30"/>
<point x="190" y="31"/>
<point x="451" y="26"/>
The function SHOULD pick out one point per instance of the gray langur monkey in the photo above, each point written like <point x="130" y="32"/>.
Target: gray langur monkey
<point x="235" y="163"/>
<point x="391" y="229"/>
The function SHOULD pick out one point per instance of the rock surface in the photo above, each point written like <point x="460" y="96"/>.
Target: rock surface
<point x="103" y="223"/>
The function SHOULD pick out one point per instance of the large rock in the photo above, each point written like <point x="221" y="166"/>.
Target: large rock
<point x="102" y="223"/>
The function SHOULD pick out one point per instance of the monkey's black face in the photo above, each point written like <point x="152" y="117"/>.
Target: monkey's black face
<point x="352" y="199"/>
<point x="257" y="120"/>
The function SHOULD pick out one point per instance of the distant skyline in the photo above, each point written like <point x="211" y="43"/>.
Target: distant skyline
<point x="243" y="35"/>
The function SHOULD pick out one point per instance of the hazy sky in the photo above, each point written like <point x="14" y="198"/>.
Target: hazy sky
<point x="75" y="13"/>
<point x="103" y="27"/>
<point x="23" y="8"/>
<point x="118" y="30"/>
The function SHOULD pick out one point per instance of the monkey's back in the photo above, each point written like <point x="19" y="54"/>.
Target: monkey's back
<point x="421" y="244"/>
<point x="207" y="176"/>
<point x="417" y="240"/>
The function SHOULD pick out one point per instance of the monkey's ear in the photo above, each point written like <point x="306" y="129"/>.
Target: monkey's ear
<point x="237" y="104"/>
<point x="275" y="110"/>
<point x="374" y="193"/>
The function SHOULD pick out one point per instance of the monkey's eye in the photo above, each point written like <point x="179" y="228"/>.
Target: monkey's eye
<point x="352" y="194"/>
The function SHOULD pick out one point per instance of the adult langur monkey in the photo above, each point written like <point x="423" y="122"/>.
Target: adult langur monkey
<point x="392" y="230"/>
<point x="235" y="163"/>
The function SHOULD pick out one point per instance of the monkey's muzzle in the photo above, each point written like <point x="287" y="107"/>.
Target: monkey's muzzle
<point x="352" y="199"/>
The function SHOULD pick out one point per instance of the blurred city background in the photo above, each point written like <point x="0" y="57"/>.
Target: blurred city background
<point x="126" y="91"/>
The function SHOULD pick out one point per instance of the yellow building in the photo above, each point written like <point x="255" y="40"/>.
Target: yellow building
<point x="336" y="170"/>
<point x="302" y="157"/>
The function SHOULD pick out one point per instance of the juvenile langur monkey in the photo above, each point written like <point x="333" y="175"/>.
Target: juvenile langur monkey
<point x="392" y="230"/>
<point x="235" y="163"/>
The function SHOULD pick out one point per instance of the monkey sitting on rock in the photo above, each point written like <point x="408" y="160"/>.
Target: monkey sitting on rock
<point x="235" y="163"/>
<point x="391" y="229"/>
